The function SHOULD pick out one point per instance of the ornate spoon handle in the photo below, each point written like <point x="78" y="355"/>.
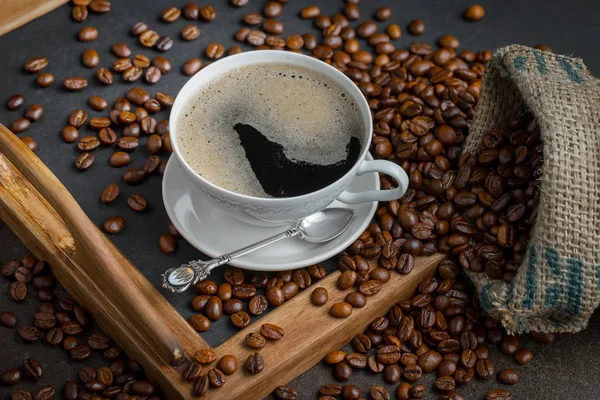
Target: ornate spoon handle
<point x="178" y="280"/>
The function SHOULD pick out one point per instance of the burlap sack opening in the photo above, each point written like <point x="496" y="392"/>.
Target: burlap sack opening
<point x="556" y="287"/>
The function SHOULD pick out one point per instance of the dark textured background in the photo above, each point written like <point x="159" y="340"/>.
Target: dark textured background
<point x="564" y="370"/>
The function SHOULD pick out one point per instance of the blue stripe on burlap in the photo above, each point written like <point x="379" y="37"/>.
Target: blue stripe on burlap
<point x="552" y="295"/>
<point x="552" y="258"/>
<point x="598" y="278"/>
<point x="574" y="286"/>
<point x="484" y="298"/>
<point x="529" y="295"/>
<point x="542" y="66"/>
<point x="568" y="68"/>
<point x="520" y="63"/>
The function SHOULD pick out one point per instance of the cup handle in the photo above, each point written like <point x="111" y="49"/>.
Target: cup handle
<point x="386" y="167"/>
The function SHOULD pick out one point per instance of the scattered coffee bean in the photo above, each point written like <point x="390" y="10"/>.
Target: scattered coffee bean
<point x="45" y="79"/>
<point x="167" y="243"/>
<point x="36" y="64"/>
<point x="114" y="225"/>
<point x="255" y="363"/>
<point x="75" y="84"/>
<point x="205" y="356"/>
<point x="474" y="13"/>
<point x="416" y="27"/>
<point x="34" y="112"/>
<point x="110" y="194"/>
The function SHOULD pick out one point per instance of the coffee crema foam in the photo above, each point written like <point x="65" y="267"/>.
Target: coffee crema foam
<point x="309" y="114"/>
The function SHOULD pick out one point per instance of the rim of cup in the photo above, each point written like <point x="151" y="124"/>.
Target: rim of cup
<point x="271" y="56"/>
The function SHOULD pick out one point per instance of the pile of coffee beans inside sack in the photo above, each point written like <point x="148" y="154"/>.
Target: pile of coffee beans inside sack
<point x="476" y="208"/>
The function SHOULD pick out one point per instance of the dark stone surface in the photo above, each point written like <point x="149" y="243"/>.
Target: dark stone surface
<point x="561" y="371"/>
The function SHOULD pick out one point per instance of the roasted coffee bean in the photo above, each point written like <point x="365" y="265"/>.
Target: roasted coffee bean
<point x="342" y="372"/>
<point x="45" y="79"/>
<point x="36" y="64"/>
<point x="474" y="13"/>
<point x="32" y="369"/>
<point x="191" y="11"/>
<point x="8" y="319"/>
<point x="509" y="345"/>
<point x="255" y="363"/>
<point x="20" y="125"/>
<point x="79" y="13"/>
<point x="214" y="308"/>
<point x="99" y="342"/>
<point x="484" y="368"/>
<point x="75" y="84"/>
<point x="271" y="331"/>
<point x="199" y="322"/>
<point x="205" y="356"/>
<point x="88" y="34"/>
<point x="29" y="334"/>
<point x="18" y="291"/>
<point x="388" y="354"/>
<point x="170" y="14"/>
<point x="319" y="296"/>
<point x="356" y="299"/>
<point x="255" y="341"/>
<point x="201" y="386"/>
<point x="164" y="43"/>
<point x="346" y="279"/>
<point x="285" y="392"/>
<point x="84" y="161"/>
<point x="216" y="378"/>
<point x="370" y="287"/>
<point x="72" y="328"/>
<point x="350" y="392"/>
<point x="100" y="6"/>
<point x="273" y="27"/>
<point x="331" y="390"/>
<point x="228" y="364"/>
<point x="191" y="66"/>
<point x="90" y="58"/>
<point x="44" y="320"/>
<point x="416" y="27"/>
<point x="105" y="76"/>
<point x="310" y="12"/>
<point x="207" y="13"/>
<point x="240" y="319"/>
<point x="10" y="377"/>
<point x="119" y="159"/>
<point x="498" y="394"/>
<point x="523" y="356"/>
<point x="114" y="225"/>
<point x="356" y="360"/>
<point x="508" y="376"/>
<point x="15" y="101"/>
<point x="69" y="343"/>
<point x="335" y="357"/>
<point x="55" y="336"/>
<point x="258" y="304"/>
<point x="34" y="112"/>
<point x="148" y="38"/>
<point x="23" y="274"/>
<point x="340" y="310"/>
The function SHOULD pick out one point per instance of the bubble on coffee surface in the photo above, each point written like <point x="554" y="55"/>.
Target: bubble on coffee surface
<point x="306" y="112"/>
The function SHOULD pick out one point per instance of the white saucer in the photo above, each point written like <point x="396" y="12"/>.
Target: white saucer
<point x="213" y="231"/>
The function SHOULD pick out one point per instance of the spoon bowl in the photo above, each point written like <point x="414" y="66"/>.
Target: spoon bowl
<point x="325" y="225"/>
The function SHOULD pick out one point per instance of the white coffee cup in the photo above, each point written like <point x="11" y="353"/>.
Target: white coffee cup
<point x="278" y="211"/>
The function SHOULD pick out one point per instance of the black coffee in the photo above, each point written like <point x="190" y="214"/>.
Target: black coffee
<point x="271" y="130"/>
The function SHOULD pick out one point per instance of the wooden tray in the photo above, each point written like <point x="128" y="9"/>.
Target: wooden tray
<point x="19" y="12"/>
<point x="41" y="212"/>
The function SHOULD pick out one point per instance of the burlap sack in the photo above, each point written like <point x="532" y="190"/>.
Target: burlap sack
<point x="556" y="289"/>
